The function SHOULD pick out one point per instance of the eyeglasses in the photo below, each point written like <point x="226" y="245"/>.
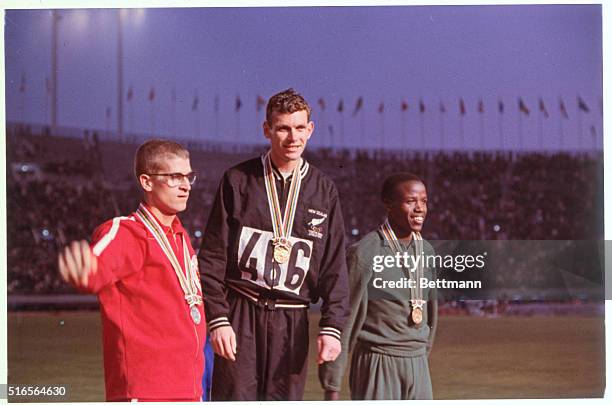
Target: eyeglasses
<point x="175" y="179"/>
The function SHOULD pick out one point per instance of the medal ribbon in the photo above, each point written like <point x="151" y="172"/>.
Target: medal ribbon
<point x="281" y="225"/>
<point x="187" y="279"/>
<point x="415" y="293"/>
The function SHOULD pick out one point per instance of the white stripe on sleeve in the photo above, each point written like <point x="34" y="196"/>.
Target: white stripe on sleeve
<point x="108" y="238"/>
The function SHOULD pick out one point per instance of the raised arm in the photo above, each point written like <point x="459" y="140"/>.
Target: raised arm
<point x="116" y="252"/>
<point x="76" y="263"/>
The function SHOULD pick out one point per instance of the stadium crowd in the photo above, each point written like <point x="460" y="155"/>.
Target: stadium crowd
<point x="472" y="196"/>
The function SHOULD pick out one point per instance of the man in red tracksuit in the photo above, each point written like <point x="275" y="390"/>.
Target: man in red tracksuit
<point x="145" y="273"/>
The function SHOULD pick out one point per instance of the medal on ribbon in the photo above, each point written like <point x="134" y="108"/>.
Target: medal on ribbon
<point x="282" y="250"/>
<point x="281" y="224"/>
<point x="417" y="311"/>
<point x="195" y="314"/>
<point x="416" y="293"/>
<point x="187" y="280"/>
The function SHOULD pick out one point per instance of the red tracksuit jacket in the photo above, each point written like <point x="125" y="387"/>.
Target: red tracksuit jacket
<point x="152" y="348"/>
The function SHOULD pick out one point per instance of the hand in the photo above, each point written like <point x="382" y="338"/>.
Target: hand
<point x="328" y="347"/>
<point x="76" y="263"/>
<point x="223" y="340"/>
<point x="332" y="395"/>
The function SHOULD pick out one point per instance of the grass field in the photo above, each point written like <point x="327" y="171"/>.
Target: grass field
<point x="505" y="357"/>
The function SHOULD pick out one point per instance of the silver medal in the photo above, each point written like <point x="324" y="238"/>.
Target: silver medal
<point x="195" y="315"/>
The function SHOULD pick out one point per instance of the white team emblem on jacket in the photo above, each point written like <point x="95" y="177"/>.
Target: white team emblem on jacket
<point x="314" y="225"/>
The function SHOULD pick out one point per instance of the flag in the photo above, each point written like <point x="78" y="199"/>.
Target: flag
<point x="152" y="94"/>
<point x="500" y="106"/>
<point x="358" y="105"/>
<point x="216" y="104"/>
<point x="381" y="107"/>
<point x="562" y="109"/>
<point x="543" y="109"/>
<point x="22" y="83"/>
<point x="238" y="104"/>
<point x="480" y="106"/>
<point x="340" y="106"/>
<point x="421" y="106"/>
<point x="259" y="103"/>
<point x="461" y="106"/>
<point x="442" y="108"/>
<point x="321" y="103"/>
<point x="196" y="101"/>
<point x="582" y="105"/>
<point x="130" y="93"/>
<point x="522" y="107"/>
<point x="404" y="105"/>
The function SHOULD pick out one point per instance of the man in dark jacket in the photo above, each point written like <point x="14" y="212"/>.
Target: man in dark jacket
<point x="274" y="243"/>
<point x="391" y="330"/>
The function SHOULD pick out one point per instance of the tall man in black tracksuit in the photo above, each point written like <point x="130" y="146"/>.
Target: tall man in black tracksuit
<point x="274" y="243"/>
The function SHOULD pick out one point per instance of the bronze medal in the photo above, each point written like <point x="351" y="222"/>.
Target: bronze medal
<point x="417" y="315"/>
<point x="416" y="293"/>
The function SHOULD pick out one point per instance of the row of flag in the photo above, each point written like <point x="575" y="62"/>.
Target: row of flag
<point x="404" y="106"/>
<point x="480" y="108"/>
<point x="359" y="104"/>
<point x="259" y="103"/>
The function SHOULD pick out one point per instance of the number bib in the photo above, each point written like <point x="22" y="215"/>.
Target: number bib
<point x="257" y="265"/>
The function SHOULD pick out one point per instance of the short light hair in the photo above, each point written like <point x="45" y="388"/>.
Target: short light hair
<point x="286" y="102"/>
<point x="149" y="155"/>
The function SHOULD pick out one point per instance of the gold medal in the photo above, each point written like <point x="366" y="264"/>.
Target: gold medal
<point x="281" y="224"/>
<point x="417" y="315"/>
<point x="282" y="250"/>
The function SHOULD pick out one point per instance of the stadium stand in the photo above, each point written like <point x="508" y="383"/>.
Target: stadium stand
<point x="60" y="187"/>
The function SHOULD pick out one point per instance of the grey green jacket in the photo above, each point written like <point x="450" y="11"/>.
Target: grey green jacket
<point x="380" y="318"/>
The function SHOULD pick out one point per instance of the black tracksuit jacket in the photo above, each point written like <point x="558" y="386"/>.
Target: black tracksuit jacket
<point x="237" y="251"/>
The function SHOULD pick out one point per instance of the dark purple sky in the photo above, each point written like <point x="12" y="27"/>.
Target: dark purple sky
<point x="383" y="54"/>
